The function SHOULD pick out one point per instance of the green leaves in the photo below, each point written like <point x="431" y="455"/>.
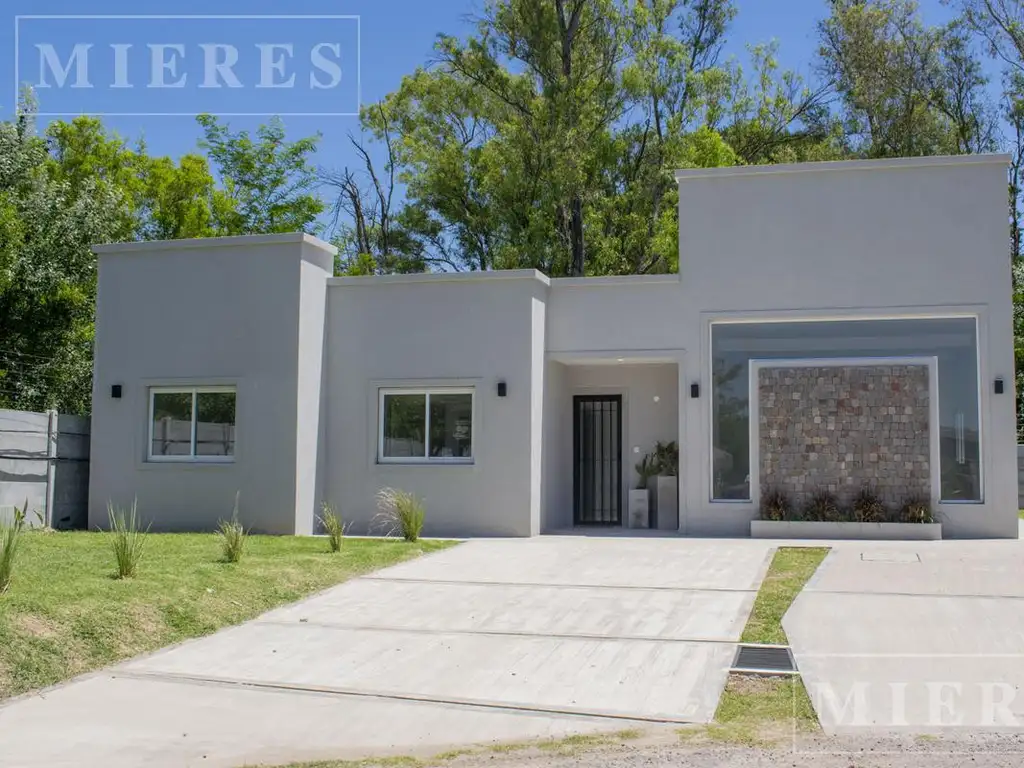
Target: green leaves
<point x="80" y="184"/>
<point x="267" y="181"/>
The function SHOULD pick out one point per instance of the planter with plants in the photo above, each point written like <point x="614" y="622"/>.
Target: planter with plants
<point x="664" y="487"/>
<point x="823" y="517"/>
<point x="639" y="497"/>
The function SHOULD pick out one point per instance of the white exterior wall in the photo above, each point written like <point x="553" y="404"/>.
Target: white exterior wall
<point x="879" y="239"/>
<point x="439" y="330"/>
<point x="910" y="238"/>
<point x="233" y="311"/>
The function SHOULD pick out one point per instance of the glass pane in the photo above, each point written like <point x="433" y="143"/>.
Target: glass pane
<point x="215" y="424"/>
<point x="172" y="424"/>
<point x="405" y="426"/>
<point x="451" y="426"/>
<point x="953" y="341"/>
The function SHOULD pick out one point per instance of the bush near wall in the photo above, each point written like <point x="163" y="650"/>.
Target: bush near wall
<point x="824" y="506"/>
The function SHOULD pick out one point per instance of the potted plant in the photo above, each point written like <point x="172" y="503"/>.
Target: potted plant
<point x="639" y="504"/>
<point x="664" y="486"/>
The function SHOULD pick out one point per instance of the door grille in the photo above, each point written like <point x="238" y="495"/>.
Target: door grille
<point x="597" y="459"/>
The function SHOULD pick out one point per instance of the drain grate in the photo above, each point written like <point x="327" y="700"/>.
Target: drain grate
<point x="764" y="659"/>
<point x="890" y="557"/>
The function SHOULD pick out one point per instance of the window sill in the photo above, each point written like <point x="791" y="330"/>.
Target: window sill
<point x="425" y="462"/>
<point x="188" y="462"/>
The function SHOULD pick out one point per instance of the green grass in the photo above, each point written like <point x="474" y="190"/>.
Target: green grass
<point x="757" y="710"/>
<point x="789" y="571"/>
<point x="66" y="613"/>
<point x="1020" y="514"/>
<point x="570" y="745"/>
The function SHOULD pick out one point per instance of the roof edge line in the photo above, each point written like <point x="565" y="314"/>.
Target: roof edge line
<point x="933" y="161"/>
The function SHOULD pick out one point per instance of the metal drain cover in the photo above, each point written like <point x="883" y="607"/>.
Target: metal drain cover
<point x="764" y="659"/>
<point x="878" y="556"/>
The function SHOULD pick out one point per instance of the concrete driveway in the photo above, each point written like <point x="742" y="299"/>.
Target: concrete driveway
<point x="920" y="637"/>
<point x="494" y="640"/>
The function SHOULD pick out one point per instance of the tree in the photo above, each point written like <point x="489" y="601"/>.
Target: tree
<point x="160" y="199"/>
<point x="1000" y="24"/>
<point x="373" y="238"/>
<point x="905" y="89"/>
<point x="268" y="182"/>
<point x="48" y="274"/>
<point x="548" y="138"/>
<point x="556" y="103"/>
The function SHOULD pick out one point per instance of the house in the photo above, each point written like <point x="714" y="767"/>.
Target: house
<point x="836" y="325"/>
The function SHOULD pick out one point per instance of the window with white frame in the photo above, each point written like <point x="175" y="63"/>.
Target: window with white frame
<point x="426" y="425"/>
<point x="192" y="424"/>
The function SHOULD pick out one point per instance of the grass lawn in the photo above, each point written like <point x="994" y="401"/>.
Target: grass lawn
<point x="564" y="747"/>
<point x="65" y="613"/>
<point x="789" y="571"/>
<point x="756" y="709"/>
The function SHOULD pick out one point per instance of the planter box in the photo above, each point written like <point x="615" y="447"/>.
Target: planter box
<point x="800" y="529"/>
<point x="639" y="509"/>
<point x="664" y="502"/>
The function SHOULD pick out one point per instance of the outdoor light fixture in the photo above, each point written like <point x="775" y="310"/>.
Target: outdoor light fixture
<point x="502" y="389"/>
<point x="999" y="385"/>
<point x="695" y="390"/>
<point x="115" y="391"/>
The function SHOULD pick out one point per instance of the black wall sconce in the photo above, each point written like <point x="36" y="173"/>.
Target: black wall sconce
<point x="115" y="391"/>
<point x="695" y="390"/>
<point x="999" y="385"/>
<point x="502" y="389"/>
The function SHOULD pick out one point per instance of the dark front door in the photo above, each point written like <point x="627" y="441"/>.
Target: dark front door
<point x="597" y="459"/>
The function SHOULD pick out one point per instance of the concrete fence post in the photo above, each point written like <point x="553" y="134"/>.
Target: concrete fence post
<point x="51" y="464"/>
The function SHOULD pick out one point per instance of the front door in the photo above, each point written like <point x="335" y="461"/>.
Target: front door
<point x="597" y="459"/>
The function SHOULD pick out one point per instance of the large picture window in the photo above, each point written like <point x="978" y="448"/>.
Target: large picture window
<point x="426" y="425"/>
<point x="192" y="424"/>
<point x="953" y="341"/>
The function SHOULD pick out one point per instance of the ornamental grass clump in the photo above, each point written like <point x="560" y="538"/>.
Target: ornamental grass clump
<point x="775" y="505"/>
<point x="127" y="539"/>
<point x="333" y="526"/>
<point x="868" y="507"/>
<point x="400" y="513"/>
<point x="823" y="507"/>
<point x="916" y="509"/>
<point x="10" y="540"/>
<point x="233" y="536"/>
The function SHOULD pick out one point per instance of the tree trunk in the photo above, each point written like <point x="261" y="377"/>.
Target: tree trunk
<point x="576" y="237"/>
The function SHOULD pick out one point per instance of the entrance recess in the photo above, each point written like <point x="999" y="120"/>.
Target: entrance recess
<point x="597" y="459"/>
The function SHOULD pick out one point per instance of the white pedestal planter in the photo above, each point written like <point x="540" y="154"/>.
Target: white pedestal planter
<point x="802" y="529"/>
<point x="639" y="509"/>
<point x="664" y="502"/>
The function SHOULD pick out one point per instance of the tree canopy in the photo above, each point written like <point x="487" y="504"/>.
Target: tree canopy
<point x="544" y="137"/>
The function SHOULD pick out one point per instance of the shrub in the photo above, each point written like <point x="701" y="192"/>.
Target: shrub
<point x="869" y="508"/>
<point x="666" y="458"/>
<point x="775" y="505"/>
<point x="232" y="536"/>
<point x="127" y="539"/>
<point x="332" y="524"/>
<point x="400" y="513"/>
<point x="646" y="468"/>
<point x="916" y="509"/>
<point x="10" y="539"/>
<point x="823" y="507"/>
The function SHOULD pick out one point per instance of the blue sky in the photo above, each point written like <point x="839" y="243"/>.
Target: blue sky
<point x="395" y="37"/>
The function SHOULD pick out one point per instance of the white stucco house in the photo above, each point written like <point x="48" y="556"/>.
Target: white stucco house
<point x="833" y="324"/>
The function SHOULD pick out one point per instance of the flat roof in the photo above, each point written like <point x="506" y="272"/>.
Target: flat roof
<point x="285" y="238"/>
<point x="441" y="277"/>
<point x="934" y="161"/>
